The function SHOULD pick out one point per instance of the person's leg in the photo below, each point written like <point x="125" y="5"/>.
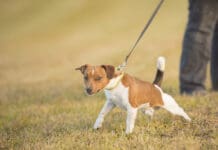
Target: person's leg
<point x="214" y="60"/>
<point x="196" y="46"/>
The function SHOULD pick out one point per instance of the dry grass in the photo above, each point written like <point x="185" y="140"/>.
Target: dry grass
<point x="42" y="104"/>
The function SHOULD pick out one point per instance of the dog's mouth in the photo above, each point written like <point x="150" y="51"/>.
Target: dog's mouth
<point x="91" y="92"/>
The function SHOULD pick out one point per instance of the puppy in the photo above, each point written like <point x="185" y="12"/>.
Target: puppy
<point x="128" y="93"/>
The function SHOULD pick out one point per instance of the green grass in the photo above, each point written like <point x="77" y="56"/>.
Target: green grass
<point x="42" y="103"/>
<point x="58" y="121"/>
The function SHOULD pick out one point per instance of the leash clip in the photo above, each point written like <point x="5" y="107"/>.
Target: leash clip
<point x="122" y="66"/>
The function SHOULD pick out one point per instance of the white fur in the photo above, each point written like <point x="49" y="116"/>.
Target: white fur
<point x="171" y="105"/>
<point x="161" y="63"/>
<point x="114" y="82"/>
<point x="130" y="121"/>
<point x="148" y="111"/>
<point x="108" y="106"/>
<point x="118" y="95"/>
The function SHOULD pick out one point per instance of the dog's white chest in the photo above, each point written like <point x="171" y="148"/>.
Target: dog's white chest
<point x="119" y="96"/>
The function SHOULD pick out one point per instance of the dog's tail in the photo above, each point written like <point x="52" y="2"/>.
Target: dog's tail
<point x="160" y="71"/>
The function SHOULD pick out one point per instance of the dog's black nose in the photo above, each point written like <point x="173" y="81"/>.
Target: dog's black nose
<point x="89" y="90"/>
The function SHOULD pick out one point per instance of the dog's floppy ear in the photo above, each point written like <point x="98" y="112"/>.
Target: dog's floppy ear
<point x="82" y="68"/>
<point x="110" y="70"/>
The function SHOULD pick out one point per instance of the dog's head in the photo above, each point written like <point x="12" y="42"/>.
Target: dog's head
<point x="96" y="77"/>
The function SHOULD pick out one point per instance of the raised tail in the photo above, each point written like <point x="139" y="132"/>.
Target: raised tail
<point x="160" y="71"/>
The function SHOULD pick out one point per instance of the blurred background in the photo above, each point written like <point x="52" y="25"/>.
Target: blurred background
<point x="42" y="101"/>
<point x="41" y="42"/>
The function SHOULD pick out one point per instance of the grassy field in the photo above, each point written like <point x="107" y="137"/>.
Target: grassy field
<point x="42" y="102"/>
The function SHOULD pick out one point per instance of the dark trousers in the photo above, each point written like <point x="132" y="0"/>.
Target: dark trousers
<point x="200" y="45"/>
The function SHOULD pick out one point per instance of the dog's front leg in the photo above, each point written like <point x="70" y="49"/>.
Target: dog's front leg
<point x="108" y="106"/>
<point x="130" y="121"/>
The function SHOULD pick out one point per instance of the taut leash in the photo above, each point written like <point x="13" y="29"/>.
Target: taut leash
<point x="124" y="64"/>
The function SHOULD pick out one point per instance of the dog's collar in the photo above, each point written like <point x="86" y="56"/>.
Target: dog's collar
<point x="114" y="82"/>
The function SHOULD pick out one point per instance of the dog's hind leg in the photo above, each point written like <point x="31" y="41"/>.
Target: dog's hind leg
<point x="171" y="105"/>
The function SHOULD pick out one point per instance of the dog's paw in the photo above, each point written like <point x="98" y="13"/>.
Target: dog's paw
<point x="97" y="126"/>
<point x="129" y="131"/>
<point x="98" y="123"/>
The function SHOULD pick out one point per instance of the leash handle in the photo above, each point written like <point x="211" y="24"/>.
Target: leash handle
<point x="123" y="65"/>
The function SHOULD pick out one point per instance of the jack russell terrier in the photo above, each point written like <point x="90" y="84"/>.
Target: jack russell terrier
<point x="128" y="93"/>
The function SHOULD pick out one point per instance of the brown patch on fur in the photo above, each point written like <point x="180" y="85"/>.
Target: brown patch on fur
<point x="82" y="68"/>
<point x="141" y="92"/>
<point x="91" y="79"/>
<point x="110" y="70"/>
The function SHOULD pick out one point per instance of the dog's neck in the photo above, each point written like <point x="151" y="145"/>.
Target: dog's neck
<point x="114" y="82"/>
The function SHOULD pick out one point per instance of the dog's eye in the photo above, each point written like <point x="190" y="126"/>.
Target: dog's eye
<point x="98" y="78"/>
